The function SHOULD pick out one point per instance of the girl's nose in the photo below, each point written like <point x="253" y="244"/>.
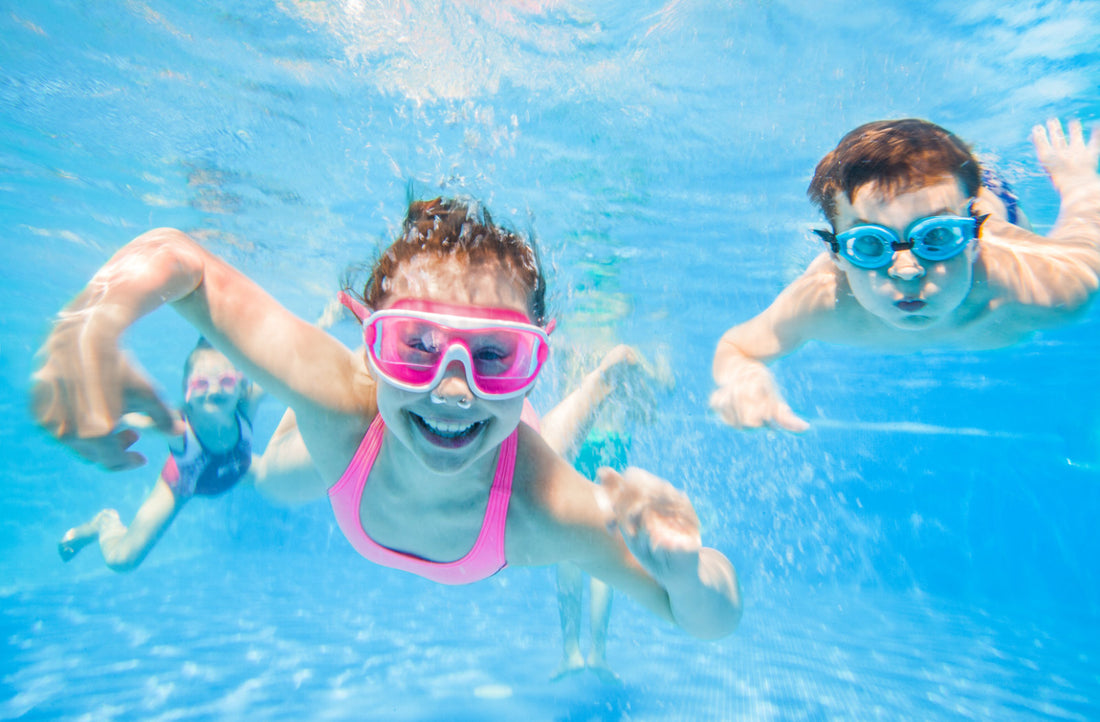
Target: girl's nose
<point x="453" y="388"/>
<point x="905" y="266"/>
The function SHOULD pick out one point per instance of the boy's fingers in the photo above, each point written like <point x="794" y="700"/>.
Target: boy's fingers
<point x="1076" y="132"/>
<point x="790" y="421"/>
<point x="1040" y="140"/>
<point x="1039" y="136"/>
<point x="1054" y="129"/>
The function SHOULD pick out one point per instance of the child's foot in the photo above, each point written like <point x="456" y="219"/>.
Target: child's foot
<point x="570" y="664"/>
<point x="81" y="536"/>
<point x="599" y="668"/>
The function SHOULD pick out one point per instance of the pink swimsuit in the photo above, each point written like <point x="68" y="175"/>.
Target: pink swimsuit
<point x="485" y="559"/>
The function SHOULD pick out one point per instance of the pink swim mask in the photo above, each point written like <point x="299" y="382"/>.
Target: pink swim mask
<point x="412" y="344"/>
<point x="226" y="382"/>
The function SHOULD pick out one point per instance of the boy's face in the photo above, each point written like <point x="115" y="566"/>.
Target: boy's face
<point x="910" y="293"/>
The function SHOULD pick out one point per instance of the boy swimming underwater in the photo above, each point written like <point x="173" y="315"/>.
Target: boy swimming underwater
<point x="919" y="255"/>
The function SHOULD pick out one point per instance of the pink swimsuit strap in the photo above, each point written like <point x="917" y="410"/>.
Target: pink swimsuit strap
<point x="484" y="559"/>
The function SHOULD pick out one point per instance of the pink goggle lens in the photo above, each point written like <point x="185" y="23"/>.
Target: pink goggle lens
<point x="227" y="382"/>
<point x="414" y="350"/>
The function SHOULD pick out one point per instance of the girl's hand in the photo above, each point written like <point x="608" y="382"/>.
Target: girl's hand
<point x="657" y="521"/>
<point x="84" y="387"/>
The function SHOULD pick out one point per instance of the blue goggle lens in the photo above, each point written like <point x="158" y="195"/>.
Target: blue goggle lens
<point x="932" y="239"/>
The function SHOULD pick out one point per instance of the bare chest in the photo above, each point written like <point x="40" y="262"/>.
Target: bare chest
<point x="441" y="526"/>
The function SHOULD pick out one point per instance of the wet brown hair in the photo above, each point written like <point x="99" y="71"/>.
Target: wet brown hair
<point x="201" y="346"/>
<point x="896" y="155"/>
<point x="445" y="227"/>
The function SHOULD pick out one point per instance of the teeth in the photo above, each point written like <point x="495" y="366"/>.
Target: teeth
<point x="448" y="429"/>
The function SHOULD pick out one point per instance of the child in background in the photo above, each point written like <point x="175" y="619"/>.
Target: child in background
<point x="920" y="255"/>
<point x="566" y="429"/>
<point x="210" y="457"/>
<point x="455" y="333"/>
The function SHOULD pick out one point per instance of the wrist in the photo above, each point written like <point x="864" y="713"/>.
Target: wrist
<point x="596" y="384"/>
<point x="736" y="370"/>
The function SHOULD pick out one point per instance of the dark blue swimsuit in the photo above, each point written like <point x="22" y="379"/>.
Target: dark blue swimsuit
<point x="196" y="472"/>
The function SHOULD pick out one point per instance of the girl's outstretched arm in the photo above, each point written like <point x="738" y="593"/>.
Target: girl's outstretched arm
<point x="660" y="527"/>
<point x="635" y="532"/>
<point x="285" y="473"/>
<point x="86" y="383"/>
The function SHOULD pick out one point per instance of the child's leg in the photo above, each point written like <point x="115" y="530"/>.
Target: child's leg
<point x="570" y="590"/>
<point x="81" y="536"/>
<point x="124" y="549"/>
<point x="600" y="611"/>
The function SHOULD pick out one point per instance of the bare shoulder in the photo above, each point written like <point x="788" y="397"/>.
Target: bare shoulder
<point x="810" y="295"/>
<point x="553" y="512"/>
<point x="819" y="305"/>
<point x="1016" y="267"/>
<point x="815" y="291"/>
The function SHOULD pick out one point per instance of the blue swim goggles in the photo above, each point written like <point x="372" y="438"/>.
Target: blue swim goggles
<point x="936" y="238"/>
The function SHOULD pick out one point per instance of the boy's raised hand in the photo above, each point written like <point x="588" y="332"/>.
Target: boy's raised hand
<point x="1070" y="160"/>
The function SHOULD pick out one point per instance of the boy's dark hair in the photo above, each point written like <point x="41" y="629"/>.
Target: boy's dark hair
<point x="448" y="227"/>
<point x="896" y="155"/>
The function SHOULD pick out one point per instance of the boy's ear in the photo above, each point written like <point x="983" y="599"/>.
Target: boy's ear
<point x="829" y="237"/>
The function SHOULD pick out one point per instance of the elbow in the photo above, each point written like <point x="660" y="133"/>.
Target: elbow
<point x="731" y="362"/>
<point x="722" y="627"/>
<point x="1076" y="293"/>
<point x="724" y="607"/>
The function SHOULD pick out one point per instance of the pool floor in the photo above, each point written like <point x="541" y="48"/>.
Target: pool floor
<point x="264" y="636"/>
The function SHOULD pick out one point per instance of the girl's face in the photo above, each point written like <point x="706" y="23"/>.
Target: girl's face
<point x="214" y="385"/>
<point x="449" y="427"/>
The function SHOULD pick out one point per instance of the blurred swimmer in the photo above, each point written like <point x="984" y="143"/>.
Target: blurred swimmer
<point x="566" y="428"/>
<point x="211" y="456"/>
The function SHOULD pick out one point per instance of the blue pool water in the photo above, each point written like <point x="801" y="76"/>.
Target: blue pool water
<point x="926" y="551"/>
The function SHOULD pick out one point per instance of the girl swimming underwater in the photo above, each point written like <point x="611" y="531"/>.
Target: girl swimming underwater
<point x="211" y="456"/>
<point x="418" y="445"/>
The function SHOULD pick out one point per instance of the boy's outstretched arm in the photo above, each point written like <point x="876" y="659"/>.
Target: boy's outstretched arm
<point x="747" y="396"/>
<point x="1056" y="276"/>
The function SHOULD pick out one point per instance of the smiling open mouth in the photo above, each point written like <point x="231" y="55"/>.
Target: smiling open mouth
<point x="911" y="305"/>
<point x="448" y="433"/>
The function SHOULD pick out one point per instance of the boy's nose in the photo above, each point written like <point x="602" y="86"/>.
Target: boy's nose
<point x="905" y="266"/>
